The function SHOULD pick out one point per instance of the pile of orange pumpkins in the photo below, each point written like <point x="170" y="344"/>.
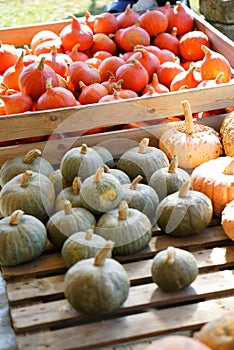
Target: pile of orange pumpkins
<point x="97" y="59"/>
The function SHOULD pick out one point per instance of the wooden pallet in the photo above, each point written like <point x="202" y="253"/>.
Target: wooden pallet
<point x="43" y="319"/>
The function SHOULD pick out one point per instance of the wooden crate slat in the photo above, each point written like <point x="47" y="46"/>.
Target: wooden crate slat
<point x="30" y="289"/>
<point x="129" y="328"/>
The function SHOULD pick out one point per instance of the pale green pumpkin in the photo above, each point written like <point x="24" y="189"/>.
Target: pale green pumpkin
<point x="71" y="193"/>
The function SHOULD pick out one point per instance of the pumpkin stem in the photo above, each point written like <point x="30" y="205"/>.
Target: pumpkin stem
<point x="49" y="83"/>
<point x="98" y="174"/>
<point x="41" y="63"/>
<point x="31" y="155"/>
<point x="26" y="177"/>
<point x="106" y="168"/>
<point x="83" y="148"/>
<point x="89" y="234"/>
<point x="76" y="185"/>
<point x="16" y="217"/>
<point x="189" y="126"/>
<point x="67" y="207"/>
<point x="134" y="183"/>
<point x="103" y="253"/>
<point x="170" y="255"/>
<point x="229" y="169"/>
<point x="173" y="164"/>
<point x="123" y="210"/>
<point x="184" y="189"/>
<point x="143" y="145"/>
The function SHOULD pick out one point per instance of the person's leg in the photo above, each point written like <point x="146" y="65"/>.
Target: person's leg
<point x="119" y="5"/>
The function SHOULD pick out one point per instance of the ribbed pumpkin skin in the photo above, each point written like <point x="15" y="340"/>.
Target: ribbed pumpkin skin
<point x="130" y="235"/>
<point x="134" y="163"/>
<point x="77" y="247"/>
<point x="15" y="166"/>
<point x="184" y="216"/>
<point x="143" y="198"/>
<point x="36" y="199"/>
<point x="165" y="183"/>
<point x="58" y="181"/>
<point x="105" y="154"/>
<point x="67" y="194"/>
<point x="179" y="274"/>
<point x="96" y="290"/>
<point x="120" y="175"/>
<point x="101" y="196"/>
<point x="74" y="163"/>
<point x="61" y="225"/>
<point x="227" y="219"/>
<point x="23" y="242"/>
<point x="227" y="134"/>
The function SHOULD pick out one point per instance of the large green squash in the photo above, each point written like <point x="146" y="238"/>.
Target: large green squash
<point x="130" y="229"/>
<point x="101" y="192"/>
<point x="32" y="160"/>
<point x="184" y="212"/>
<point x="71" y="193"/>
<point x="31" y="192"/>
<point x="64" y="223"/>
<point x="81" y="245"/>
<point x="97" y="285"/>
<point x="80" y="161"/>
<point x="22" y="238"/>
<point x="143" y="160"/>
<point x="174" y="269"/>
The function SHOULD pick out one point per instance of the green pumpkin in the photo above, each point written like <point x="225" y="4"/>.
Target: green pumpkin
<point x="80" y="161"/>
<point x="32" y="160"/>
<point x="143" y="160"/>
<point x="169" y="179"/>
<point x="184" y="212"/>
<point x="31" y="192"/>
<point x="174" y="269"/>
<point x="58" y="181"/>
<point x="142" y="197"/>
<point x="97" y="285"/>
<point x="119" y="174"/>
<point x="101" y="192"/>
<point x="130" y="229"/>
<point x="105" y="154"/>
<point x="64" y="223"/>
<point x="81" y="245"/>
<point x="22" y="238"/>
<point x="71" y="193"/>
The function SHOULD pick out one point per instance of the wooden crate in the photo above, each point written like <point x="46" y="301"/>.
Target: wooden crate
<point x="41" y="316"/>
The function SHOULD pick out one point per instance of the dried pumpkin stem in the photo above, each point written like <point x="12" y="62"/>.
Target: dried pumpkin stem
<point x="143" y="145"/>
<point x="89" y="234"/>
<point x="26" y="178"/>
<point x="173" y="164"/>
<point x="170" y="255"/>
<point x="135" y="182"/>
<point x="16" y="217"/>
<point x="106" y="168"/>
<point x="98" y="174"/>
<point x="49" y="83"/>
<point x="189" y="126"/>
<point x="31" y="155"/>
<point x="184" y="189"/>
<point x="67" y="207"/>
<point x="101" y="256"/>
<point x="229" y="169"/>
<point x="123" y="210"/>
<point x="76" y="185"/>
<point x="83" y="148"/>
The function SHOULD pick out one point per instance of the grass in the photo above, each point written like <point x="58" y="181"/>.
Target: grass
<point x="22" y="12"/>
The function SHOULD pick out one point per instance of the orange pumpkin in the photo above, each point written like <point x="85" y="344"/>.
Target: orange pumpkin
<point x="227" y="220"/>
<point x="215" y="178"/>
<point x="218" y="334"/>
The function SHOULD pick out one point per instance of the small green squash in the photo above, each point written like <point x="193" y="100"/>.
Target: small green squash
<point x="22" y="238"/>
<point x="105" y="154"/>
<point x="97" y="285"/>
<point x="143" y="160"/>
<point x="130" y="229"/>
<point x="71" y="193"/>
<point x="64" y="223"/>
<point x="184" y="212"/>
<point x="81" y="245"/>
<point x="80" y="161"/>
<point x="31" y="192"/>
<point x="32" y="160"/>
<point x="142" y="197"/>
<point x="101" y="192"/>
<point x="174" y="269"/>
<point x="168" y="180"/>
<point x="58" y="181"/>
<point x="119" y="174"/>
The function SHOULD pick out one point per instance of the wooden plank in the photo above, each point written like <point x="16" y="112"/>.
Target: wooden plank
<point x="130" y="328"/>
